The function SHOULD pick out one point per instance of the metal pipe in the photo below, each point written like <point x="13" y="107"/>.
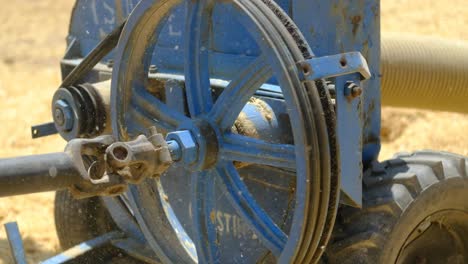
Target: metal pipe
<point x="424" y="72"/>
<point x="37" y="173"/>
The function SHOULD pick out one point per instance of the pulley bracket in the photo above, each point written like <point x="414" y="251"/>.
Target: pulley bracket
<point x="335" y="65"/>
<point x="348" y="70"/>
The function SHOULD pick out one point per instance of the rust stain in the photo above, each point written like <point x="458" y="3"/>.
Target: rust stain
<point x="365" y="49"/>
<point x="312" y="31"/>
<point x="367" y="116"/>
<point x="213" y="216"/>
<point x="371" y="139"/>
<point x="376" y="11"/>
<point x="356" y="21"/>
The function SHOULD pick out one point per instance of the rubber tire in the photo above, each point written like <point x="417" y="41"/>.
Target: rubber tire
<point x="398" y="195"/>
<point x="77" y="221"/>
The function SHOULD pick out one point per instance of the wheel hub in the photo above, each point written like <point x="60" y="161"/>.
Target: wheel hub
<point x="199" y="144"/>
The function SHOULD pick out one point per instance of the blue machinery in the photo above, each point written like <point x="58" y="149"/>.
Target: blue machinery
<point x="269" y="123"/>
<point x="329" y="27"/>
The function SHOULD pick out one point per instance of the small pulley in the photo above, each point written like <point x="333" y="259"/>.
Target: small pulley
<point x="82" y="110"/>
<point x="79" y="111"/>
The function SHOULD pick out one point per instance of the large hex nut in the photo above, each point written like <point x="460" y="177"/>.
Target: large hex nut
<point x="63" y="115"/>
<point x="187" y="144"/>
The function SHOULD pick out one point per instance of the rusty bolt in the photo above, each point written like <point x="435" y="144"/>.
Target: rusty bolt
<point x="305" y="67"/>
<point x="353" y="90"/>
<point x="153" y="69"/>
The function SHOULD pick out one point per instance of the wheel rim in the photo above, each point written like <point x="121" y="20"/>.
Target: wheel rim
<point x="440" y="238"/>
<point x="220" y="149"/>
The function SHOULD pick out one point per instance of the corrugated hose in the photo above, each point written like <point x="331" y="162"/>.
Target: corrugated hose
<point x="424" y="72"/>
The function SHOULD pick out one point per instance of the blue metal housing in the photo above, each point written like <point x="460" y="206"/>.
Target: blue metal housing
<point x="337" y="31"/>
<point x="330" y="27"/>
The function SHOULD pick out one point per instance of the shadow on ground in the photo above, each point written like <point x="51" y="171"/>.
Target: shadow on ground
<point x="35" y="252"/>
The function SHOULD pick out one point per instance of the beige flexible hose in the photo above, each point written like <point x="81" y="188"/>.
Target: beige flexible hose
<point x="423" y="72"/>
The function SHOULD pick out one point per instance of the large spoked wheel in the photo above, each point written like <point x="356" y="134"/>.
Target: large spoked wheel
<point x="246" y="192"/>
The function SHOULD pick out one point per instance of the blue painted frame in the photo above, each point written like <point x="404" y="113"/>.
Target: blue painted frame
<point x="330" y="27"/>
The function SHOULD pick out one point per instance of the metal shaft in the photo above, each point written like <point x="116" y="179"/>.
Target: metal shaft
<point x="37" y="173"/>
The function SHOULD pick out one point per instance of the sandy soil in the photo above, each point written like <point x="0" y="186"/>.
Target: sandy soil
<point x="32" y="41"/>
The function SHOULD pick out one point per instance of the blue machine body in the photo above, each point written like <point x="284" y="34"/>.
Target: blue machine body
<point x="330" y="27"/>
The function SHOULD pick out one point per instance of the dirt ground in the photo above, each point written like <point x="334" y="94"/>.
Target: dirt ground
<point x="32" y="42"/>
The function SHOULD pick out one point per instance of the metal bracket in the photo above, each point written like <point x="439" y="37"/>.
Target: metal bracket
<point x="348" y="69"/>
<point x="336" y="65"/>
<point x="349" y="116"/>
<point x="43" y="130"/>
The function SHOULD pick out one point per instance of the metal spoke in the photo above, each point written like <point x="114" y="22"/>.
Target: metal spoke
<point x="138" y="121"/>
<point x="204" y="228"/>
<point x="234" y="97"/>
<point x="197" y="77"/>
<point x="148" y="108"/>
<point x="250" y="150"/>
<point x="246" y="206"/>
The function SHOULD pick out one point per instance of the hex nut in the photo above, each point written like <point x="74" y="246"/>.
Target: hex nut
<point x="59" y="116"/>
<point x="63" y="115"/>
<point x="187" y="145"/>
<point x="354" y="90"/>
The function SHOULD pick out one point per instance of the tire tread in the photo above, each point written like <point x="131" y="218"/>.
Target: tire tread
<point x="390" y="187"/>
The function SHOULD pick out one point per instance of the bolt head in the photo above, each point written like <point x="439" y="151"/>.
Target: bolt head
<point x="187" y="144"/>
<point x="153" y="69"/>
<point x="63" y="115"/>
<point x="59" y="117"/>
<point x="354" y="90"/>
